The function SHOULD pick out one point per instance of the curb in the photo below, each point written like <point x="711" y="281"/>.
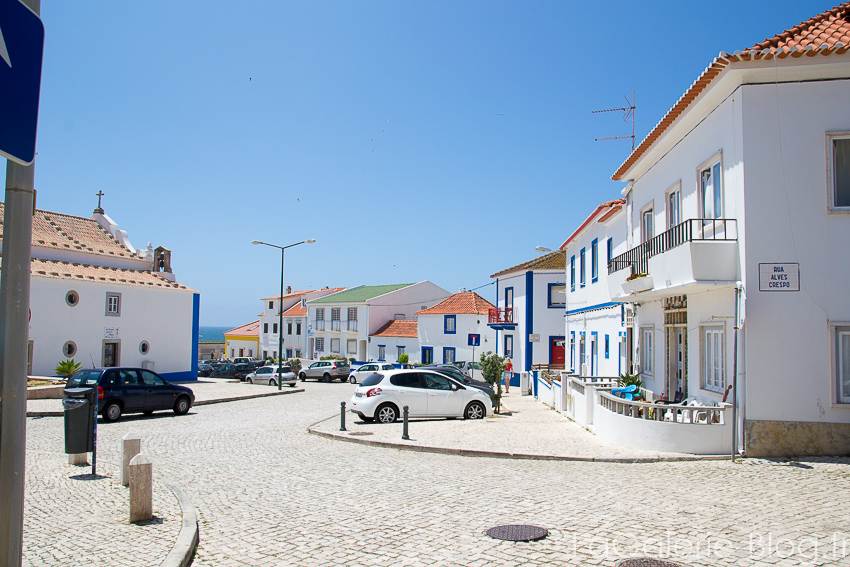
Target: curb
<point x="187" y="540"/>
<point x="518" y="456"/>
<point x="201" y="403"/>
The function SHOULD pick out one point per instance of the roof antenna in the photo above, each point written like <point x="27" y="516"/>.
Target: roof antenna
<point x="630" y="113"/>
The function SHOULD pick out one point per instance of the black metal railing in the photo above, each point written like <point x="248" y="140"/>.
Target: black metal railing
<point x="687" y="231"/>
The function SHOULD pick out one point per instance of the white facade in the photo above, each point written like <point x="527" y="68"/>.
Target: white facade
<point x="389" y="348"/>
<point x="294" y="323"/>
<point x="447" y="346"/>
<point x="753" y="153"/>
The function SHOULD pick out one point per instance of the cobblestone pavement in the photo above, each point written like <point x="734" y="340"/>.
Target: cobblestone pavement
<point x="269" y="493"/>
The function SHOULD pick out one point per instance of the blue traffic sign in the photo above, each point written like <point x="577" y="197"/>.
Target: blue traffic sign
<point x="474" y="339"/>
<point x="21" y="49"/>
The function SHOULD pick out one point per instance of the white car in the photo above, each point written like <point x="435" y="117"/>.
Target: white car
<point x="368" y="369"/>
<point x="268" y="375"/>
<point x="382" y="396"/>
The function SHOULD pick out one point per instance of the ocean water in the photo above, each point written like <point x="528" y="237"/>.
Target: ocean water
<point x="212" y="333"/>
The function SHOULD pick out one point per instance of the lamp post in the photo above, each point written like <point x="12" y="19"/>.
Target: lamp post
<point x="280" y="305"/>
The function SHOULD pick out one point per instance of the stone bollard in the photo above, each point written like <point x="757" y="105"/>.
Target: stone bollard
<point x="131" y="445"/>
<point x="404" y="434"/>
<point x="78" y="459"/>
<point x="342" y="416"/>
<point x="141" y="489"/>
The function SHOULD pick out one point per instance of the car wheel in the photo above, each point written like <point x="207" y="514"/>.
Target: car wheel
<point x="292" y="385"/>
<point x="326" y="377"/>
<point x="272" y="382"/>
<point x="182" y="405"/>
<point x="475" y="410"/>
<point x="250" y="381"/>
<point x="343" y="379"/>
<point x="386" y="413"/>
<point x="112" y="412"/>
<point x="352" y="379"/>
<point x="302" y="376"/>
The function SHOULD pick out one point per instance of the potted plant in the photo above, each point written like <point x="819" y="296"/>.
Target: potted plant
<point x="67" y="368"/>
<point x="637" y="282"/>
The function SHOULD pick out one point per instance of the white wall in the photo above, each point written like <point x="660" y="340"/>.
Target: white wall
<point x="391" y="344"/>
<point x="431" y="331"/>
<point x="162" y="317"/>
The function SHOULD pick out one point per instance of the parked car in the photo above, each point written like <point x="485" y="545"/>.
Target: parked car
<point x="268" y="375"/>
<point x="471" y="369"/>
<point x="225" y="371"/>
<point x="123" y="390"/>
<point x="456" y="374"/>
<point x="357" y="374"/>
<point x="326" y="371"/>
<point x="242" y="370"/>
<point x="204" y="370"/>
<point x="427" y="393"/>
<point x="245" y="360"/>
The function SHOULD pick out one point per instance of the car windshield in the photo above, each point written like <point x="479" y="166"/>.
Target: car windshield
<point x="341" y="363"/>
<point x="372" y="380"/>
<point x="85" y="378"/>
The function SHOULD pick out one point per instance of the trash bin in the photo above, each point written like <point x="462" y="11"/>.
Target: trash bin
<point x="524" y="383"/>
<point x="79" y="420"/>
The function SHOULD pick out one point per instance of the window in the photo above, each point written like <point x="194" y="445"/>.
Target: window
<point x="274" y="328"/>
<point x="838" y="148"/>
<point x="607" y="346"/>
<point x="335" y="319"/>
<point x="320" y="319"/>
<point x="320" y="345"/>
<point x="351" y="346"/>
<point x="609" y="248"/>
<point x="449" y="324"/>
<point x="72" y="298"/>
<point x="113" y="304"/>
<point x="69" y="349"/>
<point x="289" y="328"/>
<point x="265" y="328"/>
<point x="581" y="267"/>
<point x="399" y="352"/>
<point x="646" y="349"/>
<point x="382" y="352"/>
<point x="674" y="205"/>
<point x="352" y="314"/>
<point x="427" y="355"/>
<point x="144" y="347"/>
<point x="573" y="273"/>
<point x="509" y="345"/>
<point x="271" y="304"/>
<point x="710" y="191"/>
<point x="448" y="355"/>
<point x="557" y="295"/>
<point x="298" y="329"/>
<point x="842" y="362"/>
<point x="572" y="351"/>
<point x="713" y="359"/>
<point x="335" y="345"/>
<point x="647" y="217"/>
<point x="594" y="261"/>
<point x="509" y="297"/>
<point x="265" y="355"/>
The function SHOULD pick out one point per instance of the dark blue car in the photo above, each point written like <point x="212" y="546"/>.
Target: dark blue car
<point x="132" y="390"/>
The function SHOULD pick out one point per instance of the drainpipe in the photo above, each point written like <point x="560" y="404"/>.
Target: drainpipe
<point x="738" y="286"/>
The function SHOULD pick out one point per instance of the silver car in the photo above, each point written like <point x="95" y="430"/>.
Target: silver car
<point x="368" y="369"/>
<point x="268" y="375"/>
<point x="326" y="371"/>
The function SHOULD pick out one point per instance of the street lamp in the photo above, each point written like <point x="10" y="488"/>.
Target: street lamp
<point x="280" y="305"/>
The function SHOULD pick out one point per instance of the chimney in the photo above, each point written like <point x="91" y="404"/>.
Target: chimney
<point x="288" y="289"/>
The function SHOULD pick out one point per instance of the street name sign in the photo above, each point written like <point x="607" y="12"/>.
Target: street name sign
<point x="779" y="277"/>
<point x="21" y="50"/>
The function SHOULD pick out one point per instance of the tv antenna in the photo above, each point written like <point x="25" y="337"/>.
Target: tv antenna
<point x="629" y="113"/>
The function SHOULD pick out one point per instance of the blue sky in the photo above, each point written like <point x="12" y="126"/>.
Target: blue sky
<point x="413" y="140"/>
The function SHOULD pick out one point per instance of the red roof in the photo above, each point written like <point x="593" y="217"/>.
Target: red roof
<point x="398" y="328"/>
<point x="823" y="34"/>
<point x="606" y="210"/>
<point x="290" y="294"/>
<point x="101" y="274"/>
<point x="463" y="303"/>
<point x="296" y="311"/>
<point x="249" y="330"/>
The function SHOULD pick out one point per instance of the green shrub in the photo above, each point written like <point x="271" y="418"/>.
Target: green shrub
<point x="67" y="368"/>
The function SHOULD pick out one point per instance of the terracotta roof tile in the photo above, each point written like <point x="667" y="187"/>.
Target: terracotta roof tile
<point x="398" y="328"/>
<point x="251" y="329"/>
<point x="290" y="295"/>
<point x="83" y="272"/>
<point x="67" y="232"/>
<point x="295" y="311"/>
<point x="463" y="303"/>
<point x="550" y="261"/>
<point x="824" y="34"/>
<point x="603" y="212"/>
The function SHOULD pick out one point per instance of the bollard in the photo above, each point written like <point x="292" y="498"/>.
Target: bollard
<point x="141" y="489"/>
<point x="404" y="434"/>
<point x="342" y="416"/>
<point x="131" y="445"/>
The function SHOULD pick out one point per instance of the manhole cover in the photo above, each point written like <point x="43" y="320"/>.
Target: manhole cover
<point x="515" y="532"/>
<point x="647" y="562"/>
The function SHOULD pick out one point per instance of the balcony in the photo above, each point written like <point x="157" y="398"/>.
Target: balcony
<point x="336" y="325"/>
<point x="501" y="318"/>
<point x="319" y="325"/>
<point x="352" y="325"/>
<point x="694" y="253"/>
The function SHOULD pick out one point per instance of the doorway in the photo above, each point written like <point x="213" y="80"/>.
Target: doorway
<point x="676" y="360"/>
<point x="111" y="353"/>
<point x="557" y="350"/>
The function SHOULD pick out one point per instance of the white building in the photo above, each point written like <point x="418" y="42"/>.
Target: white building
<point x="294" y="322"/>
<point x="395" y="338"/>
<point x="747" y="178"/>
<point x="597" y="337"/>
<point x="96" y="299"/>
<point x="529" y="319"/>
<point x="342" y="323"/>
<point x="444" y="330"/>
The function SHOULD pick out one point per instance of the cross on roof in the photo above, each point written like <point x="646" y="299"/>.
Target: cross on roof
<point x="99" y="195"/>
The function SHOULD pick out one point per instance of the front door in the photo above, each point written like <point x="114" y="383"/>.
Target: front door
<point x="675" y="374"/>
<point x="111" y="353"/>
<point x="558" y="351"/>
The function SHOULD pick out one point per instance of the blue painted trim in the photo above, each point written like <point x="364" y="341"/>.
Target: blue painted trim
<point x="502" y="326"/>
<point x="594" y="307"/>
<point x="379" y="346"/>
<point x="505" y="338"/>
<point x="594" y="260"/>
<point x="582" y="275"/>
<point x="607" y="346"/>
<point x="594" y="333"/>
<point x="609" y="248"/>
<point x="622" y="333"/>
<point x="529" y="317"/>
<point x="573" y="273"/>
<point x="582" y="333"/>
<point x="512" y="296"/>
<point x="496" y="327"/>
<point x="552" y="339"/>
<point x="187" y="376"/>
<point x="196" y="332"/>
<point x="447" y="349"/>
<point x="422" y="354"/>
<point x="549" y="298"/>
<point x="446" y="324"/>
